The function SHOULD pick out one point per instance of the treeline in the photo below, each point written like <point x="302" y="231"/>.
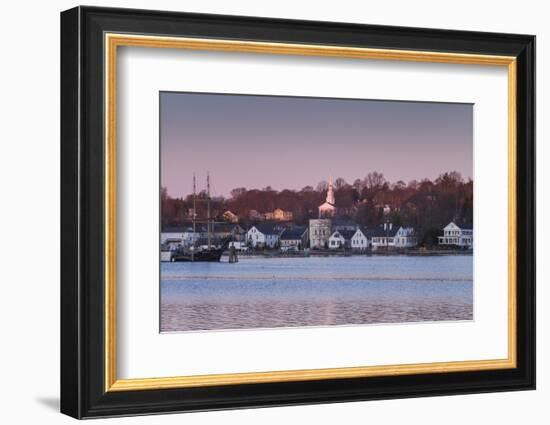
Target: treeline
<point x="425" y="205"/>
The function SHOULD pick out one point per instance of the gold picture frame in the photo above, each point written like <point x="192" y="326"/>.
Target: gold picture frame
<point x="114" y="41"/>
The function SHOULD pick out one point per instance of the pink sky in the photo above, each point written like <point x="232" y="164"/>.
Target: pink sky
<point x="290" y="142"/>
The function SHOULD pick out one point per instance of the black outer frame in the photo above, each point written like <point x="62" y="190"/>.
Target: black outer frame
<point x="82" y="203"/>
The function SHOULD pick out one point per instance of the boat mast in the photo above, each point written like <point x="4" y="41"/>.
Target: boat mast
<point x="194" y="216"/>
<point x="208" y="224"/>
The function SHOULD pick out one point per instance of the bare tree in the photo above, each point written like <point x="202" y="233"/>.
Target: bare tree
<point x="238" y="191"/>
<point x="340" y="183"/>
<point x="413" y="184"/>
<point x="456" y="176"/>
<point x="374" y="180"/>
<point x="399" y="185"/>
<point x="322" y="186"/>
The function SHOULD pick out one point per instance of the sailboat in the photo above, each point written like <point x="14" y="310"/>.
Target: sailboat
<point x="210" y="253"/>
<point x="206" y="254"/>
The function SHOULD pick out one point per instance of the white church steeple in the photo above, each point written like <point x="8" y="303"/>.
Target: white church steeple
<point x="330" y="192"/>
<point x="327" y="209"/>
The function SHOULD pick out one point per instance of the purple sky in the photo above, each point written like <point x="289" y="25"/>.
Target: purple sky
<point x="290" y="142"/>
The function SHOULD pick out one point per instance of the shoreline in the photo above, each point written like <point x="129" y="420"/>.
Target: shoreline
<point x="316" y="254"/>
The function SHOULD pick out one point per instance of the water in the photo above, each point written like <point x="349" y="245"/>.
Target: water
<point x="322" y="291"/>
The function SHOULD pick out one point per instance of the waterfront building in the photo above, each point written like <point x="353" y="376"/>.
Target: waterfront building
<point x="263" y="235"/>
<point x="388" y="235"/>
<point x="382" y="236"/>
<point x="340" y="239"/>
<point x="295" y="238"/>
<point x="190" y="236"/>
<point x="405" y="237"/>
<point x="184" y="233"/>
<point x="328" y="208"/>
<point x="169" y="233"/>
<point x="319" y="232"/>
<point x="359" y="240"/>
<point x="171" y="244"/>
<point x="456" y="235"/>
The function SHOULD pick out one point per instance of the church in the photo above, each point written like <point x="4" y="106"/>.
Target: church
<point x="328" y="208"/>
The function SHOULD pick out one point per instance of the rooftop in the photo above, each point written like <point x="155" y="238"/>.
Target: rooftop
<point x="346" y="234"/>
<point x="379" y="231"/>
<point x="294" y="233"/>
<point x="267" y="228"/>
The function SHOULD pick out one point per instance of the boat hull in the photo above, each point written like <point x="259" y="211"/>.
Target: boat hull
<point x="201" y="256"/>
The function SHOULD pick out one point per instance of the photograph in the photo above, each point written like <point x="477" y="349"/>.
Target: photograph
<point x="287" y="211"/>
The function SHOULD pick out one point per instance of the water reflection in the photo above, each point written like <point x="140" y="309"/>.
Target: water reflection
<point x="271" y="293"/>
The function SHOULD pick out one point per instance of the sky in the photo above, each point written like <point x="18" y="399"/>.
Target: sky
<point x="290" y="142"/>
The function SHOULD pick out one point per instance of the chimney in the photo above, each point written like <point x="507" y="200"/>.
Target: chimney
<point x="385" y="224"/>
<point x="391" y="225"/>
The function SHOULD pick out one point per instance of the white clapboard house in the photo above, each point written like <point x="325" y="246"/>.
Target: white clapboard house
<point x="388" y="235"/>
<point x="340" y="239"/>
<point x="294" y="239"/>
<point x="457" y="235"/>
<point x="263" y="235"/>
<point x="359" y="240"/>
<point x="405" y="237"/>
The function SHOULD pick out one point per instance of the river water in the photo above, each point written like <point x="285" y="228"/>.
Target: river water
<point x="321" y="291"/>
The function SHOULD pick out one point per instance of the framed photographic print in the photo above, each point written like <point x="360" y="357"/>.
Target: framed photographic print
<point x="261" y="212"/>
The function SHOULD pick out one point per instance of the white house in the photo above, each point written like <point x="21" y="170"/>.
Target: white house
<point x="382" y="236"/>
<point x="319" y="232"/>
<point x="462" y="236"/>
<point x="295" y="238"/>
<point x="388" y="235"/>
<point x="184" y="234"/>
<point x="405" y="237"/>
<point x="172" y="244"/>
<point x="359" y="240"/>
<point x="340" y="239"/>
<point x="336" y="240"/>
<point x="263" y="235"/>
<point x="170" y="233"/>
<point x="165" y="236"/>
